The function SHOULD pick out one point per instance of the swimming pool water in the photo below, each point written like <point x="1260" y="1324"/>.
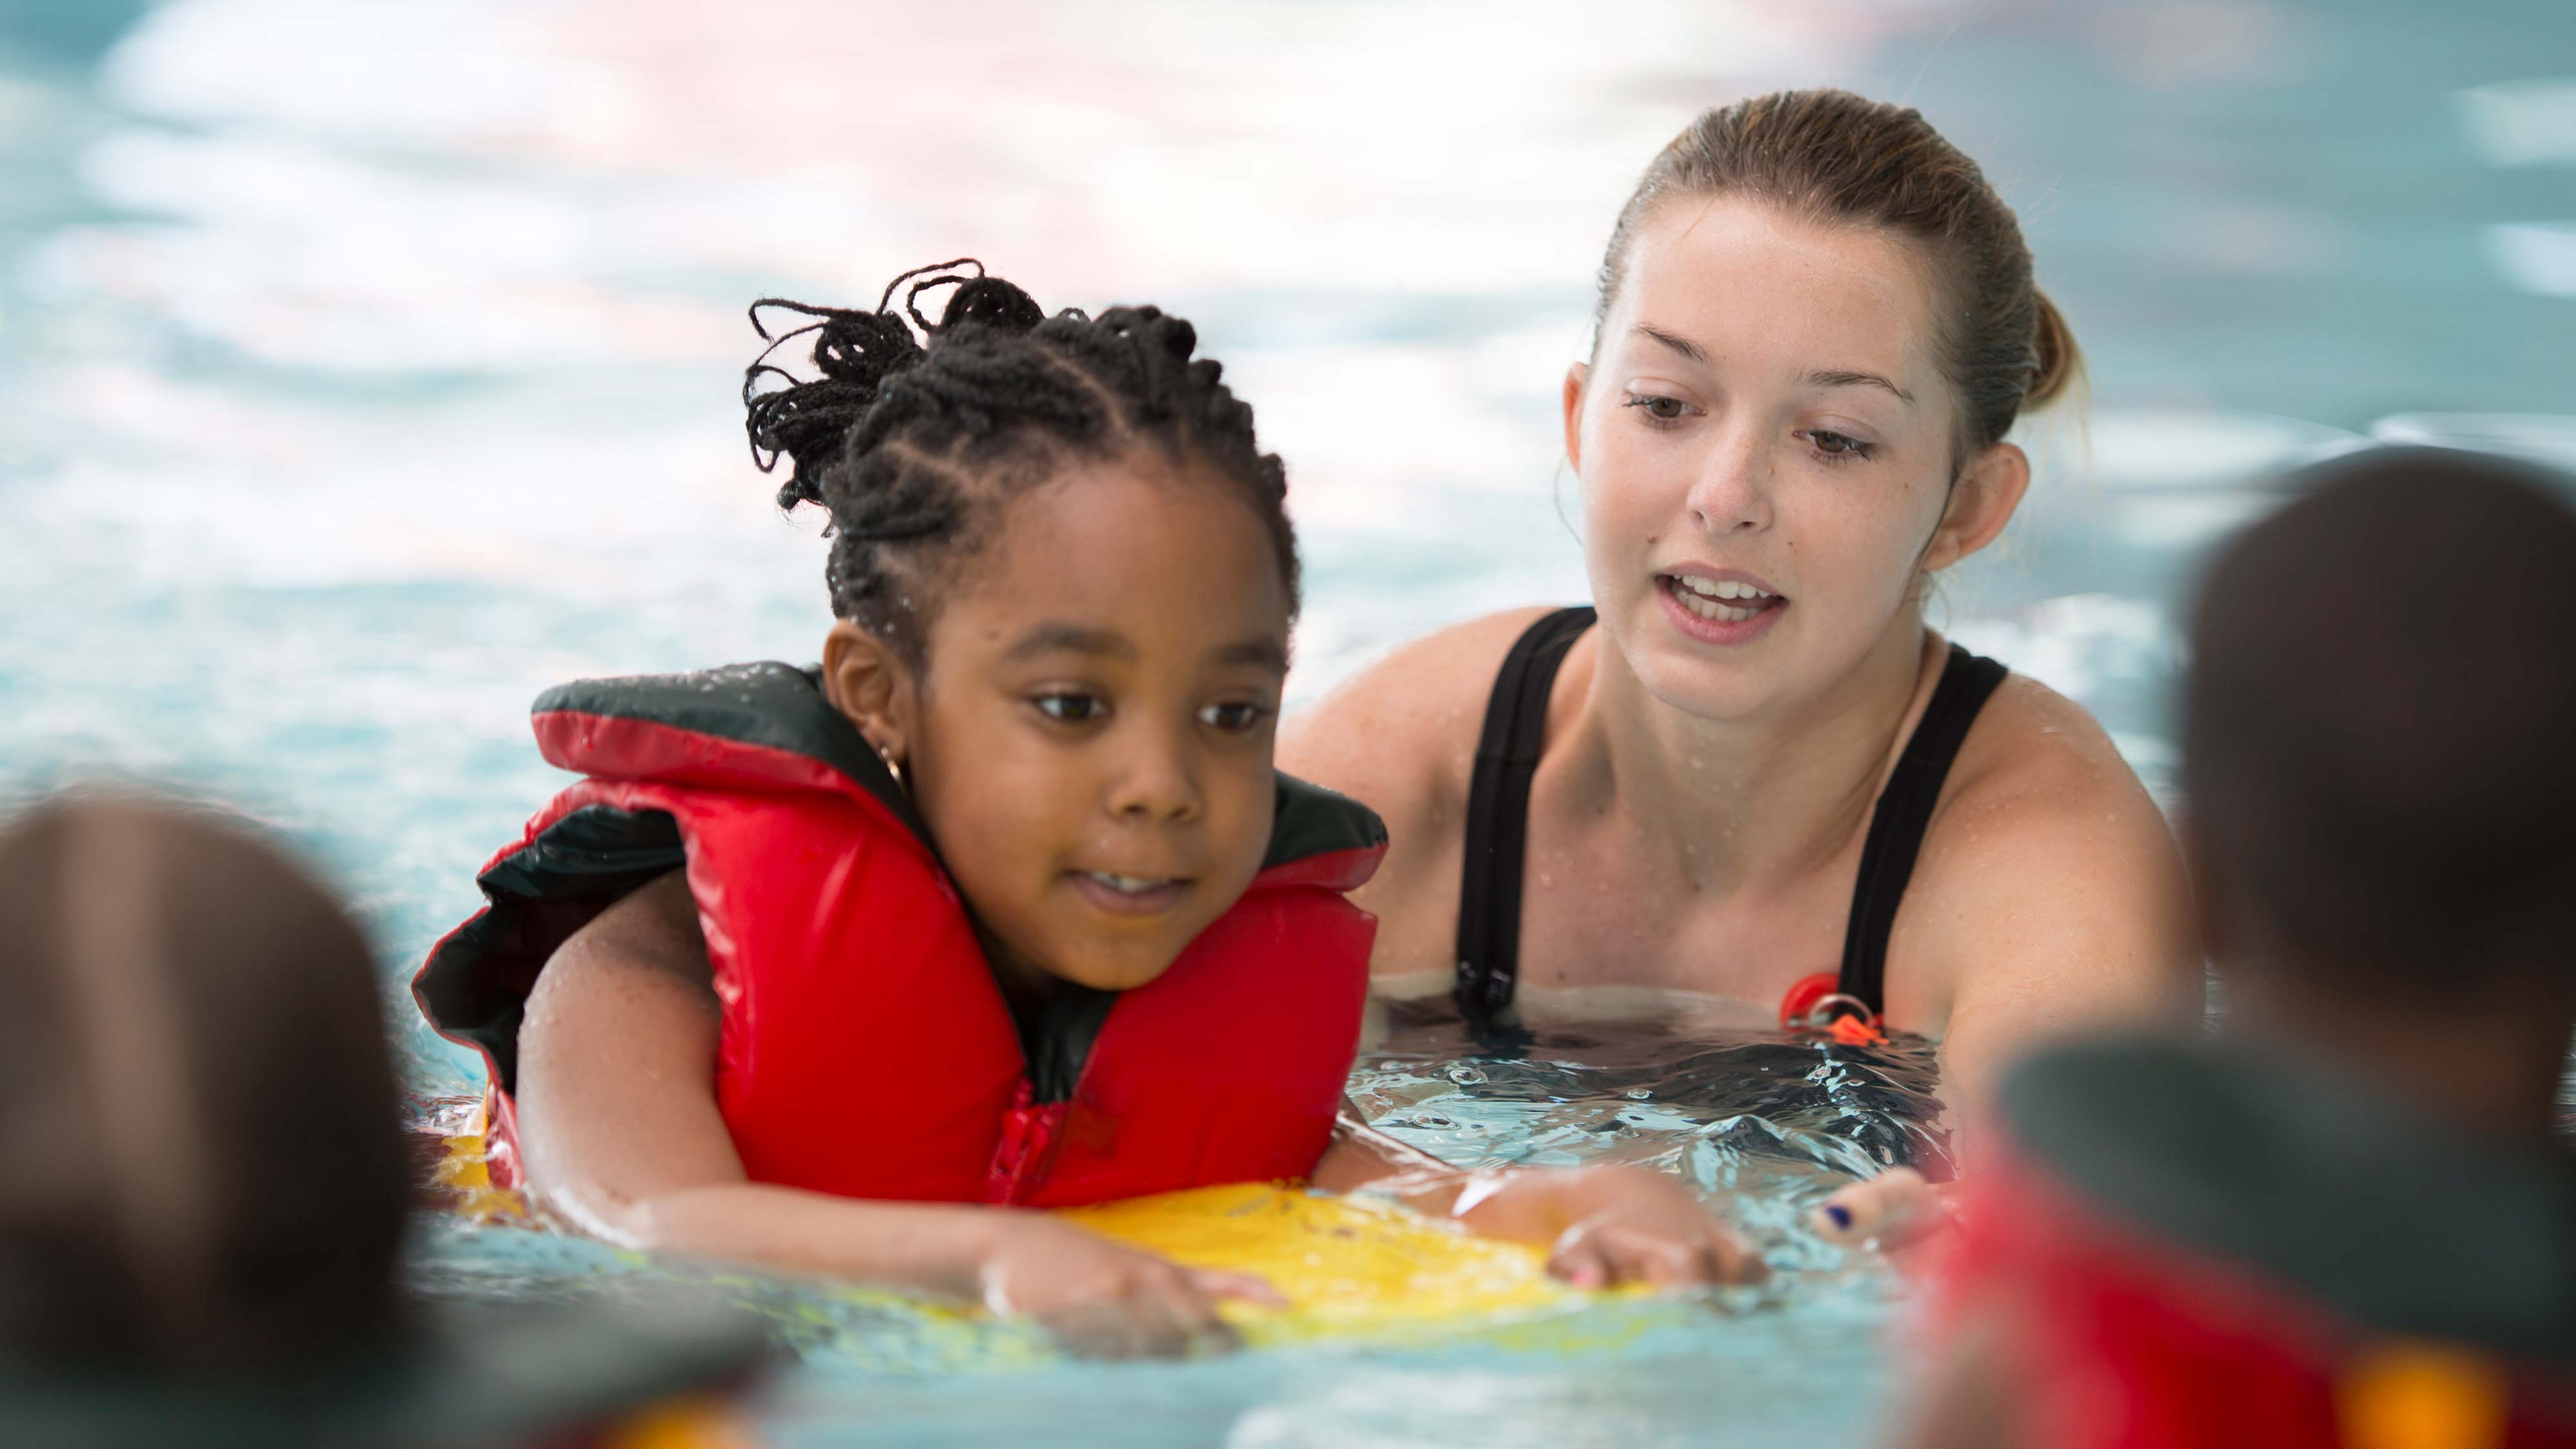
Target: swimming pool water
<point x="371" y="368"/>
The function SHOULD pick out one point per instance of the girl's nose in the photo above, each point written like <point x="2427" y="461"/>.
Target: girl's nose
<point x="1732" y="493"/>
<point x="1156" y="780"/>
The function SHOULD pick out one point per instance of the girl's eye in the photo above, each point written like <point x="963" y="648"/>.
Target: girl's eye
<point x="1234" y="718"/>
<point x="1071" y="708"/>
<point x="1839" y="445"/>
<point x="1659" y="408"/>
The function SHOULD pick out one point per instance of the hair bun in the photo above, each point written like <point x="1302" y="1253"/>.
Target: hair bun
<point x="805" y="421"/>
<point x="992" y="302"/>
<point x="2056" y="361"/>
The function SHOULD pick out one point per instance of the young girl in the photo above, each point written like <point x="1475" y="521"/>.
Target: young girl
<point x="1005" y="904"/>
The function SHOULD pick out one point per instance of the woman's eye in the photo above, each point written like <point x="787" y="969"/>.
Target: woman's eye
<point x="1838" y="445"/>
<point x="1070" y="708"/>
<point x="1659" y="407"/>
<point x="1233" y="718"/>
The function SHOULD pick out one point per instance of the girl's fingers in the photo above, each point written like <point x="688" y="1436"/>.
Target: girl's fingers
<point x="1580" y="1259"/>
<point x="1240" y="1287"/>
<point x="1733" y="1262"/>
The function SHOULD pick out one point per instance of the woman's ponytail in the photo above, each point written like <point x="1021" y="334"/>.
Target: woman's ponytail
<point x="2056" y="362"/>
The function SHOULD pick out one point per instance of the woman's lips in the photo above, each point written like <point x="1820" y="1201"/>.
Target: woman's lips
<point x="1120" y="895"/>
<point x="1719" y="610"/>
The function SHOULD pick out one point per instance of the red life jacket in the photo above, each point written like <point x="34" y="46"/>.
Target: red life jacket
<point x="866" y="1049"/>
<point x="2193" y="1246"/>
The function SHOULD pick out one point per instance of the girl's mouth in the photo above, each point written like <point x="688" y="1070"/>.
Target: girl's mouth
<point x="1720" y="611"/>
<point x="1129" y="895"/>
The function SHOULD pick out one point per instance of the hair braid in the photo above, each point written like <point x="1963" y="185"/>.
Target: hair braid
<point x="911" y="445"/>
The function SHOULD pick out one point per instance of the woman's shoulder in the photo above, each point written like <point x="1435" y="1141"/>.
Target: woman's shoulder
<point x="2039" y="788"/>
<point x="2047" y="851"/>
<point x="2032" y="749"/>
<point x="1400" y="733"/>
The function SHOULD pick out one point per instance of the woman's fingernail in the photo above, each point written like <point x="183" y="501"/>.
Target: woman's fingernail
<point x="1840" y="1214"/>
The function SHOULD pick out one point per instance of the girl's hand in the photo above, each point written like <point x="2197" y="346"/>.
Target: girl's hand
<point x="1105" y="1300"/>
<point x="1612" y="1225"/>
<point x="1644" y="1227"/>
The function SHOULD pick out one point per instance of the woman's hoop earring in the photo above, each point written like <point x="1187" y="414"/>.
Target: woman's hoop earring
<point x="894" y="767"/>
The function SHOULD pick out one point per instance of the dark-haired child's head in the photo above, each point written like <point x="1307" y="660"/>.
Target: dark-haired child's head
<point x="205" y="1171"/>
<point x="1065" y="578"/>
<point x="2379" y="738"/>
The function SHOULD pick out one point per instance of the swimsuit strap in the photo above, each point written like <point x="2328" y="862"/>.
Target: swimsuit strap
<point x="1489" y="889"/>
<point x="1904" y="810"/>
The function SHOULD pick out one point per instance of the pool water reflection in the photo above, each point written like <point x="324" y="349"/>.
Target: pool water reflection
<point x="362" y="386"/>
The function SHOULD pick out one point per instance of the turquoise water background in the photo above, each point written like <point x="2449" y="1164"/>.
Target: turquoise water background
<point x="369" y="367"/>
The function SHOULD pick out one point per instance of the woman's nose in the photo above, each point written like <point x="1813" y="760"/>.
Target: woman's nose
<point x="1732" y="492"/>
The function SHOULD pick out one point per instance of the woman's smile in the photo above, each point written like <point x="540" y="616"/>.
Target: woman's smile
<point x="1720" y="606"/>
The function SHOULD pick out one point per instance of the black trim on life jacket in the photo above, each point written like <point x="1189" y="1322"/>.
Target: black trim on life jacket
<point x="1310" y="820"/>
<point x="1056" y="1032"/>
<point x="2317" y="1178"/>
<point x="768" y="704"/>
<point x="475" y="986"/>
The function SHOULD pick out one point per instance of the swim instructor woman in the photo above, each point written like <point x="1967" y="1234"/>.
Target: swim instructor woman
<point x="1816" y="323"/>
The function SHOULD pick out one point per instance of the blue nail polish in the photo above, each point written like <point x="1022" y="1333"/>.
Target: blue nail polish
<point x="1840" y="1214"/>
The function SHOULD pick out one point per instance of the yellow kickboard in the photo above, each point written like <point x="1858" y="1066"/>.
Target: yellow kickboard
<point x="1346" y="1265"/>
<point x="1343" y="1263"/>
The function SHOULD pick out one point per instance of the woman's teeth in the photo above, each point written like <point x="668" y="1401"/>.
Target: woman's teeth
<point x="1710" y="598"/>
<point x="1133" y="885"/>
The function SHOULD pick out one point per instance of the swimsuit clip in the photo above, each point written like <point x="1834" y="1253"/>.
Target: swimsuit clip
<point x="1814" y="1005"/>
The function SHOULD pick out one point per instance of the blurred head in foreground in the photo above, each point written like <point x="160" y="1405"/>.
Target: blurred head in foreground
<point x="2379" y="751"/>
<point x="203" y="1181"/>
<point x="2344" y="1220"/>
<point x="196" y="1106"/>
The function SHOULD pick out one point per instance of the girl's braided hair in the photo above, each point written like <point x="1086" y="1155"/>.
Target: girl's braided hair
<point x="910" y="444"/>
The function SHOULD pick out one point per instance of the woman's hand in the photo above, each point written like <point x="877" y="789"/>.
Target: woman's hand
<point x="1603" y="1226"/>
<point x="1607" y="1226"/>
<point x="1103" y="1299"/>
<point x="1893" y="1213"/>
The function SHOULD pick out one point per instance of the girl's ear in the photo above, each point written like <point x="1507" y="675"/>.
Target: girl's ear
<point x="1989" y="490"/>
<point x="868" y="682"/>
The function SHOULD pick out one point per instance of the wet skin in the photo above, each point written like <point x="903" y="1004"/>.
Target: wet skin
<point x="1765" y="417"/>
<point x="1090" y="743"/>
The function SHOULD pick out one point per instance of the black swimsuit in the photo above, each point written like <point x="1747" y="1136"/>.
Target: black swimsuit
<point x="1489" y="895"/>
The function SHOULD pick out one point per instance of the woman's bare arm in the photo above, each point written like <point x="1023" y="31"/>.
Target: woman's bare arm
<point x="1602" y="1226"/>
<point x="2050" y="901"/>
<point x="620" y="1132"/>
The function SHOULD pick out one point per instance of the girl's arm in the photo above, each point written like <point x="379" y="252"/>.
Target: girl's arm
<point x="1603" y="1226"/>
<point x="619" y="1129"/>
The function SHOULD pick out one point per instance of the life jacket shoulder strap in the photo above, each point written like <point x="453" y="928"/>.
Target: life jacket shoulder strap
<point x="1320" y="838"/>
<point x="671" y="727"/>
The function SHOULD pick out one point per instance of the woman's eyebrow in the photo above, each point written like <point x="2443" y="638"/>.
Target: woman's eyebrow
<point x="1682" y="345"/>
<point x="1831" y="377"/>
